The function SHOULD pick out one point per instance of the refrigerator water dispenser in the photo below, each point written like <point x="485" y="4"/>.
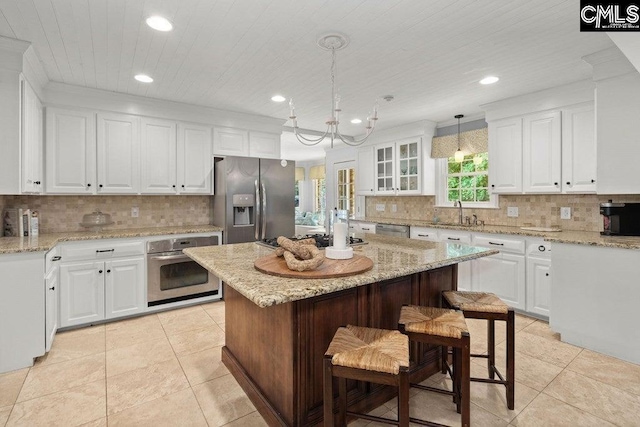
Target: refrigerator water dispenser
<point x="243" y="205"/>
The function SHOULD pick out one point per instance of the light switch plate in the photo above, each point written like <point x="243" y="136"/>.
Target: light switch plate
<point x="380" y="207"/>
<point x="565" y="213"/>
<point x="394" y="208"/>
<point x="512" y="211"/>
<point x="135" y="212"/>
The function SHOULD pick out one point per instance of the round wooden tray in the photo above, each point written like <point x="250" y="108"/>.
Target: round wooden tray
<point x="277" y="266"/>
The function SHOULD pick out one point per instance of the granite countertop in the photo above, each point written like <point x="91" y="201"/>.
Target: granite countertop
<point x="392" y="257"/>
<point x="46" y="241"/>
<point x="592" y="238"/>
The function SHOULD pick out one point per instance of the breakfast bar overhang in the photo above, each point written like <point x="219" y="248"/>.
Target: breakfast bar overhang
<point x="277" y="329"/>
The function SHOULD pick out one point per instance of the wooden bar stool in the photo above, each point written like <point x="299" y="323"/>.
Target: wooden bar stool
<point x="375" y="355"/>
<point x="484" y="305"/>
<point x="442" y="327"/>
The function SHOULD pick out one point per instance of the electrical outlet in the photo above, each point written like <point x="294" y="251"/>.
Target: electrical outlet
<point x="380" y="207"/>
<point x="135" y="212"/>
<point x="512" y="212"/>
<point x="565" y="213"/>
<point x="394" y="208"/>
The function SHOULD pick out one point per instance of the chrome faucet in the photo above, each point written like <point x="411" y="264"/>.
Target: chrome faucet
<point x="458" y="204"/>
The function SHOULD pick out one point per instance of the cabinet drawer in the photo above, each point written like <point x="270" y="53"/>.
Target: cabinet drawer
<point x="506" y="244"/>
<point x="449" y="236"/>
<point x="423" y="233"/>
<point x="52" y="259"/>
<point x="100" y="250"/>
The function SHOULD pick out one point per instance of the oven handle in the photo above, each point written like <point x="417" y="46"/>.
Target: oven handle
<point x="167" y="257"/>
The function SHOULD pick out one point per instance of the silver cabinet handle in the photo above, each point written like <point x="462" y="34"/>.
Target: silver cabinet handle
<point x="257" y="214"/>
<point x="453" y="238"/>
<point x="423" y="235"/>
<point x="56" y="258"/>
<point x="496" y="244"/>
<point x="98" y="251"/>
<point x="367" y="229"/>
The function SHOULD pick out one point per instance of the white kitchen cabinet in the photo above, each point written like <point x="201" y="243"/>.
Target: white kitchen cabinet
<point x="365" y="181"/>
<point x="264" y="145"/>
<point x="385" y="177"/>
<point x="52" y="300"/>
<point x="505" y="154"/>
<point x="22" y="314"/>
<point x="454" y="238"/>
<point x="118" y="153"/>
<point x="230" y="142"/>
<point x="502" y="274"/>
<point x="32" y="141"/>
<point x="538" y="285"/>
<point x="81" y="293"/>
<point x="362" y="227"/>
<point x="424" y="233"/>
<point x="408" y="167"/>
<point x="195" y="160"/>
<point x="542" y="152"/>
<point x="70" y="151"/>
<point x="124" y="294"/>
<point x="158" y="151"/>
<point x="101" y="280"/>
<point x="579" y="151"/>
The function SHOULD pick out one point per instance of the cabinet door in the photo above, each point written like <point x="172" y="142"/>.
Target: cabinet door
<point x="579" y="150"/>
<point x="364" y="172"/>
<point x="502" y="274"/>
<point x="230" y="142"/>
<point x="505" y="154"/>
<point x="51" y="307"/>
<point x="118" y="153"/>
<point x="32" y="148"/>
<point x="542" y="153"/>
<point x="408" y="167"/>
<point x="538" y="286"/>
<point x="385" y="169"/>
<point x="195" y="161"/>
<point x="264" y="145"/>
<point x="124" y="287"/>
<point x="158" y="151"/>
<point x="70" y="151"/>
<point x="82" y="293"/>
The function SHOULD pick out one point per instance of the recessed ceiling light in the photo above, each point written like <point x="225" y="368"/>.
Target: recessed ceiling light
<point x="159" y="23"/>
<point x="356" y="121"/>
<point x="143" y="78"/>
<point x="278" y="98"/>
<point x="489" y="80"/>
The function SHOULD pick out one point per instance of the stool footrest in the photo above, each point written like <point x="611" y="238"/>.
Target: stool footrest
<point x="482" y="356"/>
<point x="488" y="380"/>
<point x="434" y="389"/>
<point x="372" y="418"/>
<point x="426" y="423"/>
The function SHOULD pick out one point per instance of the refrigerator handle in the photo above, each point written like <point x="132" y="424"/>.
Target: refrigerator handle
<point x="258" y="213"/>
<point x="264" y="211"/>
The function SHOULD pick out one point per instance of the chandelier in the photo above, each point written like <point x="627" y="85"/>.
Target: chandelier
<point x="334" y="43"/>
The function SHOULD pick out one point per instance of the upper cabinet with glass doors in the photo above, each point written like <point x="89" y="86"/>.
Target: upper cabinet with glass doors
<point x="408" y="167"/>
<point x="398" y="168"/>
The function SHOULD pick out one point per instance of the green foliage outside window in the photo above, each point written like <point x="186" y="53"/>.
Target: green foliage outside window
<point x="467" y="181"/>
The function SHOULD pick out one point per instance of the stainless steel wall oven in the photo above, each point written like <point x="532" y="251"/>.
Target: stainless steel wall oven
<point x="172" y="276"/>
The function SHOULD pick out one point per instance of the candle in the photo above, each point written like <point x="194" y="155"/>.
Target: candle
<point x="340" y="235"/>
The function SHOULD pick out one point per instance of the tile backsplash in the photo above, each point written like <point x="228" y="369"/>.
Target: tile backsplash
<point x="64" y="213"/>
<point x="534" y="210"/>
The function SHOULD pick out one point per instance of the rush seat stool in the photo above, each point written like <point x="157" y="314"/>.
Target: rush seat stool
<point x="488" y="306"/>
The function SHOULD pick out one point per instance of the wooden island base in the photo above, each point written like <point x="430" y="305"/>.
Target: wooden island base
<point x="275" y="353"/>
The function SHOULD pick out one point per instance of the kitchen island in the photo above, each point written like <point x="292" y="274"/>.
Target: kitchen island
<point x="277" y="329"/>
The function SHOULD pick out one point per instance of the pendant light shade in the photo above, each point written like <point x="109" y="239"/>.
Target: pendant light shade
<point x="459" y="155"/>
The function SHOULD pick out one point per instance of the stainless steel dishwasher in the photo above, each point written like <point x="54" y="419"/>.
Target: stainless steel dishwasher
<point x="392" y="230"/>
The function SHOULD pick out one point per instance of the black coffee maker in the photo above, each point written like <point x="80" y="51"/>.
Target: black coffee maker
<point x="620" y="219"/>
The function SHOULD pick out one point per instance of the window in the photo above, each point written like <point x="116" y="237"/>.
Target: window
<point x="466" y="181"/>
<point x="346" y="190"/>
<point x="319" y="199"/>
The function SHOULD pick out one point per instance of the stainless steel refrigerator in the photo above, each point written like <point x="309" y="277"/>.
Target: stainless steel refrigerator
<point x="254" y="198"/>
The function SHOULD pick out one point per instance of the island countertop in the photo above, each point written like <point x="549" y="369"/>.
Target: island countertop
<point x="392" y="257"/>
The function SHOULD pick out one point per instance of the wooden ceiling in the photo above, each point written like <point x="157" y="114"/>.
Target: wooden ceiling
<point x="235" y="55"/>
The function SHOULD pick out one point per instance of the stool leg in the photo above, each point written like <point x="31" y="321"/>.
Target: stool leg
<point x="491" y="347"/>
<point x="457" y="379"/>
<point x="465" y="382"/>
<point x="445" y="358"/>
<point x="342" y="402"/>
<point x="327" y="395"/>
<point x="511" y="360"/>
<point x="403" y="399"/>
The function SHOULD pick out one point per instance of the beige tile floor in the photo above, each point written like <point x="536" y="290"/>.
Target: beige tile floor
<point x="164" y="370"/>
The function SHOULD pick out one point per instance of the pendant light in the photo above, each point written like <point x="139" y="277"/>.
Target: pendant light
<point x="459" y="155"/>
